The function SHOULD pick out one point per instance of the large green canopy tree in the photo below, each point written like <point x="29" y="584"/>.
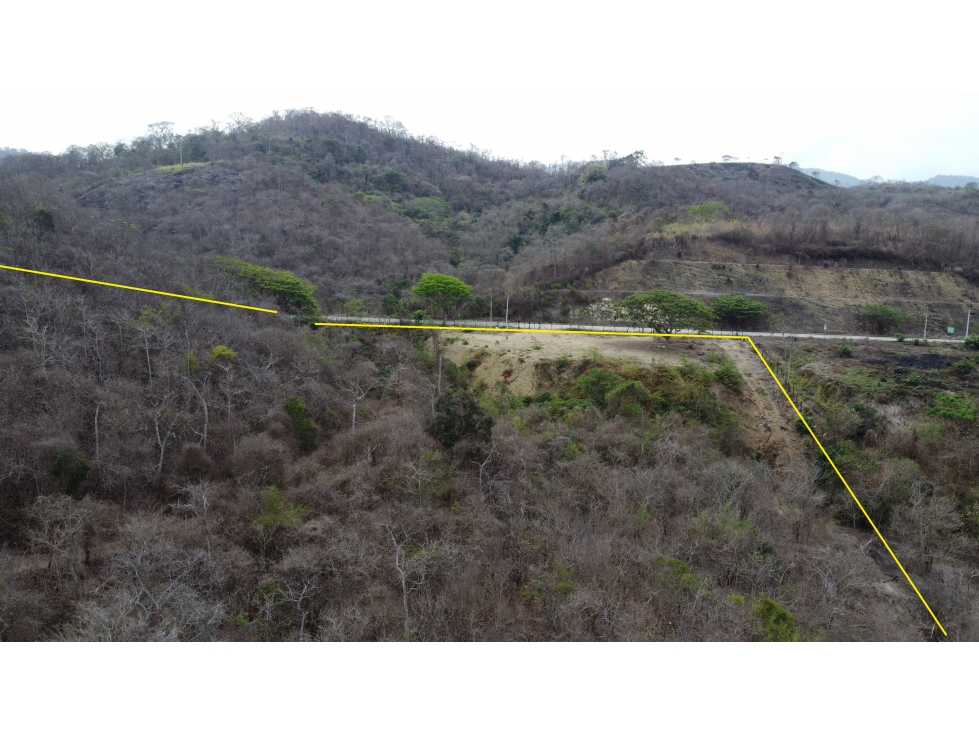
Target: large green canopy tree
<point x="293" y="294"/>
<point x="738" y="312"/>
<point x="664" y="311"/>
<point x="445" y="294"/>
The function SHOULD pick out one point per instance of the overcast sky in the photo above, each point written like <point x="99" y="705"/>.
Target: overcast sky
<point x="864" y="88"/>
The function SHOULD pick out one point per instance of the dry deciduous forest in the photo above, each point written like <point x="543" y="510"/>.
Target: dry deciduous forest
<point x="173" y="470"/>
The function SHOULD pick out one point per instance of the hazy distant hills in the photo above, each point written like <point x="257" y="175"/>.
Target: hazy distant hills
<point x="846" y="181"/>
<point x="952" y="181"/>
<point x="833" y="177"/>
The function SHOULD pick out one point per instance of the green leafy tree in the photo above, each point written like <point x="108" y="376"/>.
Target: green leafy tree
<point x="596" y="384"/>
<point x="778" y="625"/>
<point x="389" y="304"/>
<point x="880" y="317"/>
<point x="445" y="294"/>
<point x="972" y="342"/>
<point x="306" y="430"/>
<point x="594" y="171"/>
<point x="738" y="312"/>
<point x="221" y="353"/>
<point x="676" y="574"/>
<point x="629" y="398"/>
<point x="664" y="311"/>
<point x="394" y="180"/>
<point x="458" y="415"/>
<point x="189" y="362"/>
<point x="293" y="293"/>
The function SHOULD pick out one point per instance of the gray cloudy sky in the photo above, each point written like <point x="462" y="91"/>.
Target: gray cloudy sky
<point x="865" y="88"/>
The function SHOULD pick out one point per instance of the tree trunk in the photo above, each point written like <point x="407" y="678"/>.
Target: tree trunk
<point x="162" y="443"/>
<point x="206" y="419"/>
<point x="98" y="407"/>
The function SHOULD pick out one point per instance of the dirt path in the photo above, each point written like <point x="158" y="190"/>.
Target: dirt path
<point x="770" y="420"/>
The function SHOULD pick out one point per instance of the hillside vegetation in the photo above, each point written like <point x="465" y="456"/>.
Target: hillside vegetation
<point x="177" y="470"/>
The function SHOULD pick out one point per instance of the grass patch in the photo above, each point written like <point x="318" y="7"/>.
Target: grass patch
<point x="177" y="167"/>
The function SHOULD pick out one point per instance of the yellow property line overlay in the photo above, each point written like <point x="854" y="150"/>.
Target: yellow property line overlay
<point x="141" y="290"/>
<point x="688" y="336"/>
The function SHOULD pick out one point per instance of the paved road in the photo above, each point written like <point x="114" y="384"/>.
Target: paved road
<point x="627" y="329"/>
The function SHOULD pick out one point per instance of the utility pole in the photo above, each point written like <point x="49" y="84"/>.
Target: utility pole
<point x="926" y="325"/>
<point x="491" y="309"/>
<point x="507" y="321"/>
<point x="967" y="317"/>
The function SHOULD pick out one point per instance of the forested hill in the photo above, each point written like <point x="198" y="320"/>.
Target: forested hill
<point x="356" y="206"/>
<point x="171" y="469"/>
<point x="359" y="206"/>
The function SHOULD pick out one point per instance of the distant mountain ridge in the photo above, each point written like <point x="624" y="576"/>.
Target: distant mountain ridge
<point x="952" y="181"/>
<point x="833" y="177"/>
<point x="846" y="181"/>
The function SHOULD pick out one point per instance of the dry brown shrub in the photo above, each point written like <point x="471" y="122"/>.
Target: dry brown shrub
<point x="304" y="469"/>
<point x="260" y="459"/>
<point x="195" y="464"/>
<point x="278" y="426"/>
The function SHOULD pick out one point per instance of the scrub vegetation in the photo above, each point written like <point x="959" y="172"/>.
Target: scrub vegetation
<point x="182" y="471"/>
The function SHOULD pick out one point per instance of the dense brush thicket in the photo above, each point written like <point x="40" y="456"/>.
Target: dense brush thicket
<point x="174" y="470"/>
<point x="196" y="474"/>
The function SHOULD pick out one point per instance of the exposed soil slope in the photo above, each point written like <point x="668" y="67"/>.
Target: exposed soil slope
<point x="885" y="600"/>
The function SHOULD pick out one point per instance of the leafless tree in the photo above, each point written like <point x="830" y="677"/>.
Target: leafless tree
<point x="164" y="414"/>
<point x="160" y="134"/>
<point x="483" y="464"/>
<point x="60" y="525"/>
<point x="200" y="387"/>
<point x="197" y="500"/>
<point x="358" y="388"/>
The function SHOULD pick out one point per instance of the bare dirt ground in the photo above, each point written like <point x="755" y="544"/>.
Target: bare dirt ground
<point x="512" y="357"/>
<point x="769" y="419"/>
<point x="518" y="353"/>
<point x="884" y="600"/>
<point x="843" y="285"/>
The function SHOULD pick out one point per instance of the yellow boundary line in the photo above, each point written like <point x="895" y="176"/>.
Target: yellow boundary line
<point x="533" y="331"/>
<point x="684" y="336"/>
<point x="514" y="329"/>
<point x="141" y="290"/>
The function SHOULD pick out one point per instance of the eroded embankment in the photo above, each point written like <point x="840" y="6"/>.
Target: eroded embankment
<point x="768" y="424"/>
